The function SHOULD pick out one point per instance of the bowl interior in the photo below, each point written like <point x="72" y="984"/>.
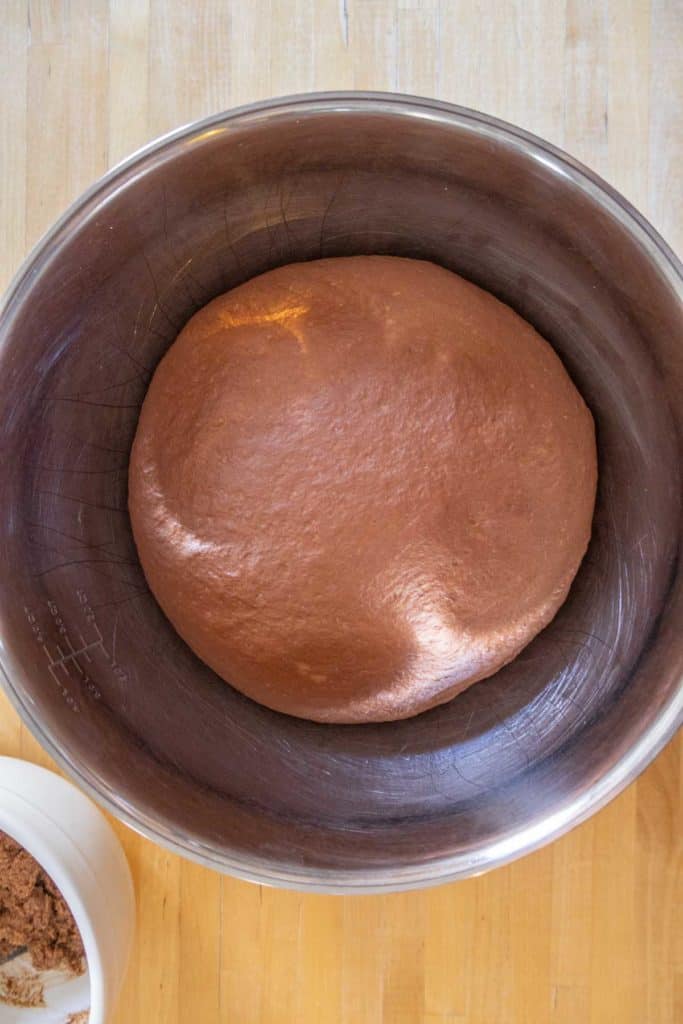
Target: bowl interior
<point x="93" y="663"/>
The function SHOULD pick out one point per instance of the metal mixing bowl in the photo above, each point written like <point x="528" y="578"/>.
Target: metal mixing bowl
<point x="90" y="662"/>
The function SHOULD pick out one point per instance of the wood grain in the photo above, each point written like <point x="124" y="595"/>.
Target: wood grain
<point x="589" y="929"/>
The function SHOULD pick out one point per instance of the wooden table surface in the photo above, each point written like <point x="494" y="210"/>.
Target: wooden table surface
<point x="586" y="929"/>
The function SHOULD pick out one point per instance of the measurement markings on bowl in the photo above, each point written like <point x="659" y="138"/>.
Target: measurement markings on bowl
<point x="71" y="656"/>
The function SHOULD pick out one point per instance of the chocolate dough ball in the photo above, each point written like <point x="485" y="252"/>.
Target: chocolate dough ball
<point x="360" y="485"/>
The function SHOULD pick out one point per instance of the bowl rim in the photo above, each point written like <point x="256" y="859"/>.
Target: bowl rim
<point x="20" y="809"/>
<point x="532" y="834"/>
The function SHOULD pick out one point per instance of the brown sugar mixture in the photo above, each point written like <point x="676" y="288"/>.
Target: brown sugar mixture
<point x="33" y="914"/>
<point x="23" y="989"/>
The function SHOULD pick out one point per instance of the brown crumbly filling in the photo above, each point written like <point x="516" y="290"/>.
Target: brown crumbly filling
<point x="33" y="913"/>
<point x="23" y="989"/>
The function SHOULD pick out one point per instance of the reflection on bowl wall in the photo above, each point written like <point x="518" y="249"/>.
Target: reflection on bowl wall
<point x="99" y="674"/>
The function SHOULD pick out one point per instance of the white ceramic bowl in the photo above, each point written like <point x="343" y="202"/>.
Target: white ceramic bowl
<point x="76" y="846"/>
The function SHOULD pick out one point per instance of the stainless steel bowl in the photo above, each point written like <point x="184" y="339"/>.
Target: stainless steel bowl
<point x="90" y="662"/>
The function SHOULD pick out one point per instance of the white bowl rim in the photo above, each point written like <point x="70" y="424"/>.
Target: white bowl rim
<point x="18" y="827"/>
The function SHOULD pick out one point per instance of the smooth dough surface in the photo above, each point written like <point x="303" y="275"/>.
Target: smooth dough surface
<point x="359" y="485"/>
